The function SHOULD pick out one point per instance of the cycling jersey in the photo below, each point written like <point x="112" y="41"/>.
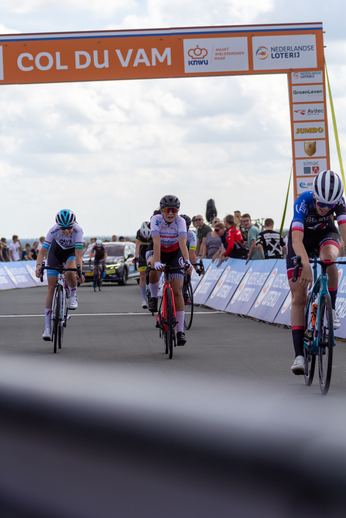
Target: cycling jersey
<point x="191" y="240"/>
<point x="307" y="220"/>
<point x="169" y="233"/>
<point x="99" y="252"/>
<point x="75" y="240"/>
<point x="318" y="231"/>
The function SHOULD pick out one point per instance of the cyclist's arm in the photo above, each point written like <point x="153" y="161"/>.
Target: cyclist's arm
<point x="183" y="248"/>
<point x="297" y="243"/>
<point x="138" y="244"/>
<point x="40" y="256"/>
<point x="156" y="249"/>
<point x="192" y="257"/>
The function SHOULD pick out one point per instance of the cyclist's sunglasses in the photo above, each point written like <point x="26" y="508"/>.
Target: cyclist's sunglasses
<point x="167" y="210"/>
<point x="325" y="205"/>
<point x="67" y="228"/>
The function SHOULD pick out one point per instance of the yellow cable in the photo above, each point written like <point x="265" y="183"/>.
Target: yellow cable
<point x="335" y="127"/>
<point x="285" y="208"/>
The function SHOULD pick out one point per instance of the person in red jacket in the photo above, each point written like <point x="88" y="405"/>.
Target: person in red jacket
<point x="235" y="243"/>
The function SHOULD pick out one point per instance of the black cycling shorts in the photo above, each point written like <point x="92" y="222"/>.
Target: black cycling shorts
<point x="174" y="259"/>
<point x="311" y="242"/>
<point x="58" y="256"/>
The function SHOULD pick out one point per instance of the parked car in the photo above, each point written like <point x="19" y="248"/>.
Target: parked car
<point x="119" y="263"/>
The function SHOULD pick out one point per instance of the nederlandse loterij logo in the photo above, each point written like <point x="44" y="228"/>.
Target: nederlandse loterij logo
<point x="262" y="53"/>
<point x="198" y="56"/>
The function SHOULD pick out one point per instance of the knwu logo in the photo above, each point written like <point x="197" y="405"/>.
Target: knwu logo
<point x="198" y="56"/>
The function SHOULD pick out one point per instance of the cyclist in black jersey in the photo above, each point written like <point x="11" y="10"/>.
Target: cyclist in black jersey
<point x="143" y="241"/>
<point x="100" y="253"/>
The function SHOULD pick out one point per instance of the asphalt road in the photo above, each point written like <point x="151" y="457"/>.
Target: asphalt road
<point x="110" y="328"/>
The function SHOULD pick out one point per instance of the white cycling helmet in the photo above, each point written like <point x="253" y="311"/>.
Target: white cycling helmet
<point x="328" y="187"/>
<point x="98" y="243"/>
<point x="144" y="230"/>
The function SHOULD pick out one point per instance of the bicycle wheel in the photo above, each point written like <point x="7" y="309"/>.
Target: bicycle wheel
<point x="61" y="322"/>
<point x="188" y="295"/>
<point x="56" y="316"/>
<point x="169" y="321"/>
<point x="309" y="358"/>
<point x="325" y="343"/>
<point x="100" y="278"/>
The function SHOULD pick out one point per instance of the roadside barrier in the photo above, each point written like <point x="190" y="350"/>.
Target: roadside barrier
<point x="258" y="289"/>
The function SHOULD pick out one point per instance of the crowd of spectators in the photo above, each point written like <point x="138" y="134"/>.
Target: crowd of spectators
<point x="236" y="236"/>
<point x="16" y="252"/>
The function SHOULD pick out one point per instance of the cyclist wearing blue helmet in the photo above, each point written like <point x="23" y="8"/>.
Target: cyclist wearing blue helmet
<point x="64" y="244"/>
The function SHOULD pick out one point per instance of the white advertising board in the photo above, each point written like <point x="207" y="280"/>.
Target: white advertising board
<point x="216" y="55"/>
<point x="280" y="52"/>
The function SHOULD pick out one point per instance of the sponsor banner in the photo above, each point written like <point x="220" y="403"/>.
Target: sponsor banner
<point x="304" y="130"/>
<point x="308" y="112"/>
<point x="340" y="305"/>
<point x="307" y="93"/>
<point x="19" y="275"/>
<point x="272" y="295"/>
<point x="309" y="148"/>
<point x="208" y="282"/>
<point x="6" y="281"/>
<point x="310" y="167"/>
<point x="306" y="77"/>
<point x="31" y="268"/>
<point x="195" y="278"/>
<point x="279" y="52"/>
<point x="250" y="286"/>
<point x="227" y="284"/>
<point x="304" y="185"/>
<point x="283" y="316"/>
<point x="216" y="55"/>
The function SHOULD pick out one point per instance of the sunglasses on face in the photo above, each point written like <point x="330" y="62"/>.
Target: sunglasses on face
<point x="326" y="205"/>
<point x="167" y="210"/>
<point x="217" y="229"/>
<point x="197" y="219"/>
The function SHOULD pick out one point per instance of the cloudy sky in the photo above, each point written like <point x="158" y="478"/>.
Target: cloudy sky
<point x="110" y="150"/>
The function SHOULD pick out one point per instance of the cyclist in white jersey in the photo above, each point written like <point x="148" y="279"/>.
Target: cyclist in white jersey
<point x="65" y="244"/>
<point x="168" y="231"/>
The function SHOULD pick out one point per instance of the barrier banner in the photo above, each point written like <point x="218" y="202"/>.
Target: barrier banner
<point x="227" y="284"/>
<point x="31" y="268"/>
<point x="6" y="282"/>
<point x="207" y="283"/>
<point x="272" y="295"/>
<point x="195" y="278"/>
<point x="340" y="305"/>
<point x="19" y="275"/>
<point x="250" y="286"/>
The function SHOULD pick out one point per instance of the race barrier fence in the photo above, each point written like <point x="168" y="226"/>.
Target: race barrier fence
<point x="258" y="289"/>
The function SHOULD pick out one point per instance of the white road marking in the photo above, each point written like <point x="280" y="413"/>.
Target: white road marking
<point x="107" y="314"/>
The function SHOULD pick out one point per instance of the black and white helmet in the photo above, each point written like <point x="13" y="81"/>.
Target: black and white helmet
<point x="328" y="187"/>
<point x="144" y="230"/>
<point x="169" y="201"/>
<point x="98" y="243"/>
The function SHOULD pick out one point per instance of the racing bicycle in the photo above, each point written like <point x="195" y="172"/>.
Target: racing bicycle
<point x="60" y="310"/>
<point x="318" y="322"/>
<point x="166" y="316"/>
<point x="99" y="274"/>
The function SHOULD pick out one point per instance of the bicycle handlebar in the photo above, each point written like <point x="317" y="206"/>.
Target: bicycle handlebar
<point x="60" y="269"/>
<point x="323" y="263"/>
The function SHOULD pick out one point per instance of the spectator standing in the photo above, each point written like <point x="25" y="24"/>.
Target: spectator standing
<point x="5" y="252"/>
<point x="114" y="238"/>
<point x="238" y="221"/>
<point x="34" y="251"/>
<point x="271" y="242"/>
<point x="213" y="241"/>
<point x="234" y="240"/>
<point x="252" y="234"/>
<point x="202" y="230"/>
<point x="26" y="254"/>
<point x="121" y="239"/>
<point x="15" y="249"/>
<point x="42" y="238"/>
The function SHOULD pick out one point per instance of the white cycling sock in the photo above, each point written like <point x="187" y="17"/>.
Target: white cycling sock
<point x="143" y="292"/>
<point x="154" y="289"/>
<point x="180" y="320"/>
<point x="47" y="316"/>
<point x="72" y="291"/>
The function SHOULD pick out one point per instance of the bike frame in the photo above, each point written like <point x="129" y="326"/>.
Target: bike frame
<point x="319" y="289"/>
